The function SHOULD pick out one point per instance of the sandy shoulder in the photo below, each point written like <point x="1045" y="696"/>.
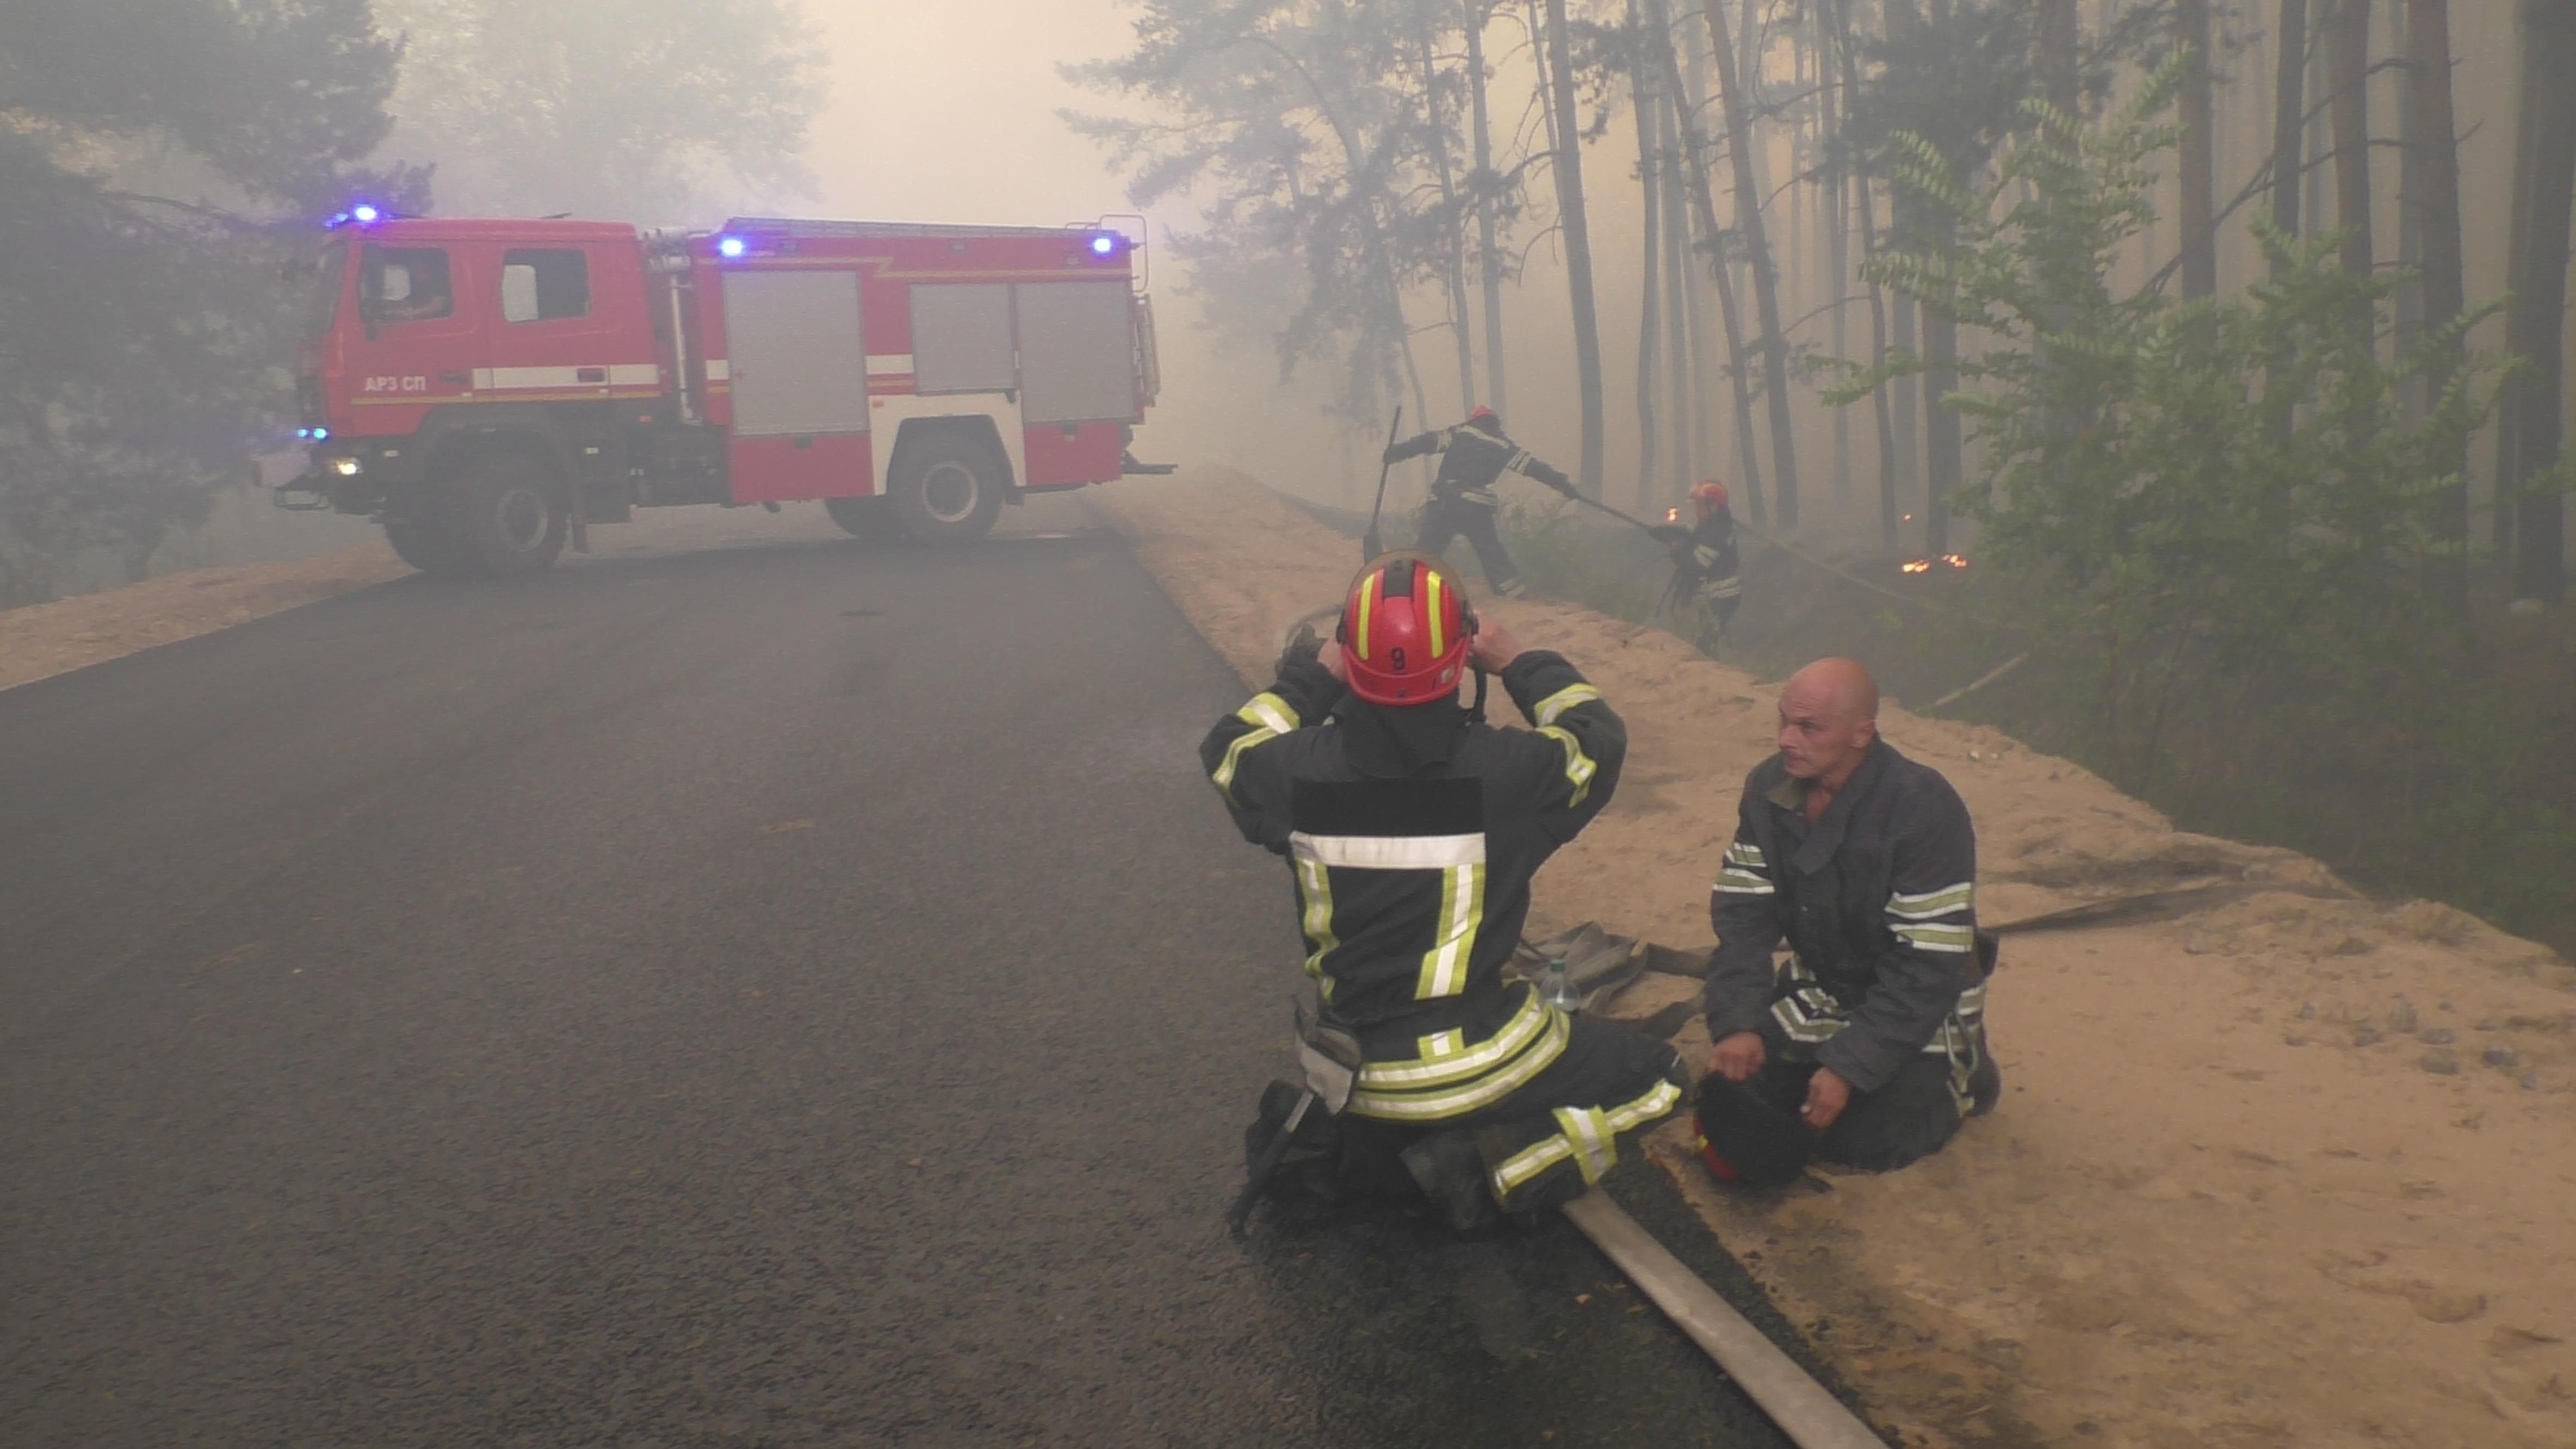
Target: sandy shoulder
<point x="43" y="640"/>
<point x="2231" y="1198"/>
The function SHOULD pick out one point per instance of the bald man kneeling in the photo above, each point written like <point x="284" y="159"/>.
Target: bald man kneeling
<point x="1868" y="1048"/>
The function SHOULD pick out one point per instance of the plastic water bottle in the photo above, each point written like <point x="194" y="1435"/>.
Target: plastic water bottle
<point x="1558" y="989"/>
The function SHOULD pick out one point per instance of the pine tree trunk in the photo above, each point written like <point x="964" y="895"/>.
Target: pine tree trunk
<point x="2534" y="329"/>
<point x="1867" y="219"/>
<point x="1704" y="207"/>
<point x="1489" y="256"/>
<point x="1942" y="444"/>
<point x="2289" y="114"/>
<point x="1681" y="399"/>
<point x="2348" y="58"/>
<point x="2436" y="152"/>
<point x="2320" y="84"/>
<point x="2409" y="313"/>
<point x="1568" y="171"/>
<point x="2058" y="34"/>
<point x="1454" y="238"/>
<point x="1837" y="214"/>
<point x="2197" y="220"/>
<point x="1649" y="116"/>
<point x="1766" y="294"/>
<point x="2289" y="169"/>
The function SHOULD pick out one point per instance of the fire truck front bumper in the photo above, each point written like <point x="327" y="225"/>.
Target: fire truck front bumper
<point x="351" y="478"/>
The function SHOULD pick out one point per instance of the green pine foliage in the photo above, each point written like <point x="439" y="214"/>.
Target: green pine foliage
<point x="143" y="325"/>
<point x="2227" y="484"/>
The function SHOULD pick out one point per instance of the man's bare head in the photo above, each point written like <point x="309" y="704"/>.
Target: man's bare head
<point x="1828" y="717"/>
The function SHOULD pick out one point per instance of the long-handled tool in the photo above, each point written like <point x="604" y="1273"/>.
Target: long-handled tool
<point x="1370" y="545"/>
<point x="1330" y="1060"/>
<point x="1627" y="518"/>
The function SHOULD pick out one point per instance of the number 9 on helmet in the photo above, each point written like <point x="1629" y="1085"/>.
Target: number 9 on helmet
<point x="1405" y="630"/>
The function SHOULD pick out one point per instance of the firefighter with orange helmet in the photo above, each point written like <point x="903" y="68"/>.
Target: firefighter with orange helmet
<point x="1707" y="585"/>
<point x="1412" y="828"/>
<point x="1473" y="456"/>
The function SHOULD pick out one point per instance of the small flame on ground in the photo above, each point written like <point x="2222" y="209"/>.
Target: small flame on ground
<point x="1917" y="566"/>
<point x="1956" y="561"/>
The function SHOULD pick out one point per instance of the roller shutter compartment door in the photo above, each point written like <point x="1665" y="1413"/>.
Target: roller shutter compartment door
<point x="961" y="337"/>
<point x="1077" y="352"/>
<point x="799" y="358"/>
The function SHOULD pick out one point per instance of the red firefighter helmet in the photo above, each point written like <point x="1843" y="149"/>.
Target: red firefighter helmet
<point x="1484" y="420"/>
<point x="1405" y="631"/>
<point x="1711" y="498"/>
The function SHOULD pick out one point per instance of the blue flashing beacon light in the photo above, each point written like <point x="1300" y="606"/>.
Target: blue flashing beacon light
<point x="1104" y="244"/>
<point x="364" y="213"/>
<point x="730" y="246"/>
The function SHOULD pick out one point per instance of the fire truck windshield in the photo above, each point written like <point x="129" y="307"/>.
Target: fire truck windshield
<point x="323" y="300"/>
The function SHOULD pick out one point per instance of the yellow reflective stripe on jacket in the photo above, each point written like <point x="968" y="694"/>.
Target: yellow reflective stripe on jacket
<point x="1462" y="909"/>
<point x="1315" y="889"/>
<point x="1469" y="1096"/>
<point x="1929" y="904"/>
<point x="1561" y="701"/>
<point x="1446" y="1059"/>
<point x="1270" y="718"/>
<point x="1579" y="768"/>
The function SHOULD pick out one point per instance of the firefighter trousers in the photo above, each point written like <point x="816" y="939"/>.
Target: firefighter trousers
<point x="1446" y="519"/>
<point x="1541" y="1145"/>
<point x="1750" y="1131"/>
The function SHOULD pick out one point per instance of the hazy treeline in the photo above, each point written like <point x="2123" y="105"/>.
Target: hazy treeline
<point x="1372" y="177"/>
<point x="2225" y="335"/>
<point x="161" y="159"/>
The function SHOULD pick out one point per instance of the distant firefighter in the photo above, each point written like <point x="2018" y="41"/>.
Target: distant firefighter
<point x="1868" y="1049"/>
<point x="1472" y="456"/>
<point x="1707" y="584"/>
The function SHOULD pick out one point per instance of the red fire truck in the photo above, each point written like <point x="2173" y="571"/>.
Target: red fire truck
<point x="488" y="390"/>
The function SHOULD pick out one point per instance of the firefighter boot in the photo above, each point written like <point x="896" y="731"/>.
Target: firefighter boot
<point x="1451" y="1172"/>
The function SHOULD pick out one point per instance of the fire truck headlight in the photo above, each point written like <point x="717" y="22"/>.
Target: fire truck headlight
<point x="1103" y="245"/>
<point x="345" y="467"/>
<point x="730" y="246"/>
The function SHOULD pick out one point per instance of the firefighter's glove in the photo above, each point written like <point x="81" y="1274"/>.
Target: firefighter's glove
<point x="1302" y="649"/>
<point x="1395" y="454"/>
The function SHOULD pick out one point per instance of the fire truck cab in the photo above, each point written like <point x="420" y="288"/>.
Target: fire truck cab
<point x="489" y="389"/>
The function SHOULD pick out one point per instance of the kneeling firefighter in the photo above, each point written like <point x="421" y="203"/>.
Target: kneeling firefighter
<point x="1412" y="829"/>
<point x="1707" y="584"/>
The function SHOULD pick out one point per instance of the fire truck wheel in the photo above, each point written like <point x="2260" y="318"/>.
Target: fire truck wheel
<point x="947" y="488"/>
<point x="427" y="544"/>
<point x="514" y="515"/>
<point x="870" y="520"/>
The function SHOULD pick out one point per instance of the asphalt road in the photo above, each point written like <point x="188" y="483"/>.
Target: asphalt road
<point x="770" y="995"/>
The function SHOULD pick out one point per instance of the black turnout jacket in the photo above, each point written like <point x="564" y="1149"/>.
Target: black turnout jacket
<point x="1412" y="834"/>
<point x="1471" y="459"/>
<point x="1877" y="901"/>
<point x="1709" y="552"/>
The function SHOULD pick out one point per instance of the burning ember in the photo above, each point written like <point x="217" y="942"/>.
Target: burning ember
<point x="1672" y="515"/>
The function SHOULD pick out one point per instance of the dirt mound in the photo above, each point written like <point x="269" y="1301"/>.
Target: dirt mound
<point x="2288" y="1168"/>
